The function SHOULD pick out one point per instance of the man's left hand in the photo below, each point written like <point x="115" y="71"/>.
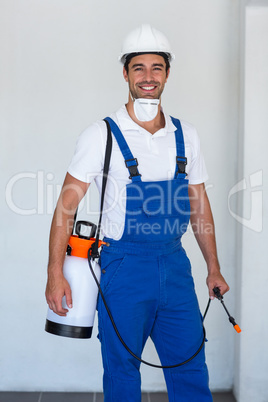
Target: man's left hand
<point x="216" y="280"/>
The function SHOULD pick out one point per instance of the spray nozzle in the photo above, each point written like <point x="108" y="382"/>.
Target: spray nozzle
<point x="219" y="296"/>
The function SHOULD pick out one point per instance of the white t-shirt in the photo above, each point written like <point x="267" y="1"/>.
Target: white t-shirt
<point x="156" y="155"/>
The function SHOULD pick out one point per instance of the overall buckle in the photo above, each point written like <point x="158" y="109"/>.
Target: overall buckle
<point x="133" y="168"/>
<point x="181" y="162"/>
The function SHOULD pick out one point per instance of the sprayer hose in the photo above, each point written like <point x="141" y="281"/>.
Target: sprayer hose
<point x="121" y="339"/>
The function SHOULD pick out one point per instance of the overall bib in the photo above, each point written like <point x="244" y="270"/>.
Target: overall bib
<point x="147" y="282"/>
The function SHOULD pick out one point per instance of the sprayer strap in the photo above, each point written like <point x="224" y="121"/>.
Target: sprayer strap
<point x="107" y="159"/>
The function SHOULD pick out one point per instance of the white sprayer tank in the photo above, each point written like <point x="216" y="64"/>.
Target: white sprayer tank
<point x="78" y="323"/>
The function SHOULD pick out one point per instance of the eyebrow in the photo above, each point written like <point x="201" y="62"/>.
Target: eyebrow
<point x="142" y="65"/>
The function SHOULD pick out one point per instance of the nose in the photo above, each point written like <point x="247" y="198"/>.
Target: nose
<point x="148" y="75"/>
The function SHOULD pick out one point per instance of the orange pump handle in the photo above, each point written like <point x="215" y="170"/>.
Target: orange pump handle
<point x="80" y="247"/>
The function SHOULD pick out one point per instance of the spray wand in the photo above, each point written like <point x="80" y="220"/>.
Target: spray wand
<point x="231" y="319"/>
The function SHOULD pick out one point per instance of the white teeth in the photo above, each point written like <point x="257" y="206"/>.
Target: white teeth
<point x="148" y="88"/>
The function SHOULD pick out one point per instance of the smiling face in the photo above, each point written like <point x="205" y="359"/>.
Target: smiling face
<point x="146" y="76"/>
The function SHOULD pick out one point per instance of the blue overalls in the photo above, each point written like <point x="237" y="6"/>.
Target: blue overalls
<point x="147" y="282"/>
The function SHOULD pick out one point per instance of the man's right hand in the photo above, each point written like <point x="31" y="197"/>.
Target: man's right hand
<point x="57" y="287"/>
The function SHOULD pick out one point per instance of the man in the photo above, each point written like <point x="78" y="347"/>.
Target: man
<point x="146" y="275"/>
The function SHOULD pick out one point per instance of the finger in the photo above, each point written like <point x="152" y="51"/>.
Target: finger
<point x="68" y="295"/>
<point x="210" y="286"/>
<point x="58" y="309"/>
<point x="59" y="313"/>
<point x="224" y="288"/>
<point x="211" y="293"/>
<point x="50" y="304"/>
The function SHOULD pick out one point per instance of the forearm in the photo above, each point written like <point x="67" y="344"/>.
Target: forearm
<point x="61" y="229"/>
<point x="204" y="231"/>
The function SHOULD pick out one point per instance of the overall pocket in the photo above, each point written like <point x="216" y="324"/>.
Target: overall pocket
<point x="111" y="265"/>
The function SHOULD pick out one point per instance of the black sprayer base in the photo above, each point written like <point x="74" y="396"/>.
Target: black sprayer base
<point x="69" y="331"/>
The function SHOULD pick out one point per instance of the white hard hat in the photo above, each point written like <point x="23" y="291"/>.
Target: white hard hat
<point x="145" y="39"/>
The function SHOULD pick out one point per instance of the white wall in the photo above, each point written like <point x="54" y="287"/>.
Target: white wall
<point x="59" y="72"/>
<point x="251" y="368"/>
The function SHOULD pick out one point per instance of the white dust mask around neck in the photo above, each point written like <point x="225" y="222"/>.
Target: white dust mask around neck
<point x="146" y="109"/>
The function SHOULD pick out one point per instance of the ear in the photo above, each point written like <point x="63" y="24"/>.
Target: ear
<point x="125" y="74"/>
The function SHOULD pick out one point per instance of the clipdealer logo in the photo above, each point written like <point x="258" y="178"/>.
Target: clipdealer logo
<point x="252" y="190"/>
<point x="36" y="193"/>
<point x="45" y="193"/>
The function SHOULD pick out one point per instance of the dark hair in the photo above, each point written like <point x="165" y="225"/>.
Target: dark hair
<point x="131" y="55"/>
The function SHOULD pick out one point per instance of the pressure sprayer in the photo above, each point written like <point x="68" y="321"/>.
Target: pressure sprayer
<point x="83" y="274"/>
<point x="78" y="323"/>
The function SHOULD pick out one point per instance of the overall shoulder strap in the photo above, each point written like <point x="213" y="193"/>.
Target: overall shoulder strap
<point x="107" y="159"/>
<point x="181" y="160"/>
<point x="130" y="161"/>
